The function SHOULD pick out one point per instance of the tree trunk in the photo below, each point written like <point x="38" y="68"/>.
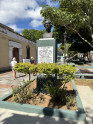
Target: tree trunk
<point x="29" y="76"/>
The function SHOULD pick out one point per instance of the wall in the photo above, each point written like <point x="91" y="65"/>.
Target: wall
<point x="32" y="50"/>
<point x="4" y="49"/>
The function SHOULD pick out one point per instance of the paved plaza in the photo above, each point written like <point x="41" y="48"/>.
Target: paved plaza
<point x="6" y="81"/>
<point x="15" y="117"/>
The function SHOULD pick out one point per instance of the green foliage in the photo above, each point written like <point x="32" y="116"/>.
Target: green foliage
<point x="74" y="14"/>
<point x="67" y="49"/>
<point x="22" y="67"/>
<point x="80" y="46"/>
<point x="70" y="101"/>
<point x="33" y="34"/>
<point x="58" y="33"/>
<point x="23" y="93"/>
<point x="65" y="72"/>
<point x="26" y="68"/>
<point x="55" y="92"/>
<point x="44" y="68"/>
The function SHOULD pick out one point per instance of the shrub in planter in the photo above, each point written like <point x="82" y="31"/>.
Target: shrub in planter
<point x="48" y="69"/>
<point x="42" y="81"/>
<point x="26" y="68"/>
<point x="49" y="81"/>
<point x="65" y="72"/>
<point x="23" y="93"/>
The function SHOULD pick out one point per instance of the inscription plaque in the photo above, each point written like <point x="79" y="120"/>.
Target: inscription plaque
<point x="45" y="54"/>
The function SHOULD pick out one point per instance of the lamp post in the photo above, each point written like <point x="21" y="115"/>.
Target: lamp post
<point x="65" y="35"/>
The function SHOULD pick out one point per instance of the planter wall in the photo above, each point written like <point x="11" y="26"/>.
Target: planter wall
<point x="69" y="114"/>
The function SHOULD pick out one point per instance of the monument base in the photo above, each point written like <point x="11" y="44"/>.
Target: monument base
<point x="46" y="50"/>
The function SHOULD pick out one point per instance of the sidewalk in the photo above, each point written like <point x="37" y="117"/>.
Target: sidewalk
<point x="86" y="95"/>
<point x="6" y="81"/>
<point x="15" y="117"/>
<point x="7" y="78"/>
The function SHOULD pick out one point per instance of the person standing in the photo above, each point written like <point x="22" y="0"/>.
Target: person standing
<point x="13" y="62"/>
<point x="32" y="60"/>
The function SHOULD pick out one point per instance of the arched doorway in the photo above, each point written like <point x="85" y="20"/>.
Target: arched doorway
<point x="15" y="50"/>
<point x="16" y="53"/>
<point x="28" y="52"/>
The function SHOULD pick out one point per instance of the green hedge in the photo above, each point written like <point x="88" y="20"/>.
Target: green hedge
<point x="49" y="81"/>
<point x="64" y="71"/>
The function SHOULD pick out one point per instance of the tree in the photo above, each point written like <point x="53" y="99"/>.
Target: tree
<point x="74" y="14"/>
<point x="26" y="68"/>
<point x="58" y="32"/>
<point x="67" y="49"/>
<point x="33" y="34"/>
<point x="78" y="44"/>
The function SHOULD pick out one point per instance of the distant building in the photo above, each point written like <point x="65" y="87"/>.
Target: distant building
<point x="59" y="56"/>
<point x="15" y="45"/>
<point x="91" y="56"/>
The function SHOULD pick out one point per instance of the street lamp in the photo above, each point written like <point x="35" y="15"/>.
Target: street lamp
<point x="65" y="35"/>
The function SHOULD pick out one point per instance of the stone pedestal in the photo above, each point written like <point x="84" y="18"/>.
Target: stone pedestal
<point x="46" y="50"/>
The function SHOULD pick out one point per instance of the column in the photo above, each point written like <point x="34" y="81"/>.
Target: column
<point x="10" y="54"/>
<point x="20" y="54"/>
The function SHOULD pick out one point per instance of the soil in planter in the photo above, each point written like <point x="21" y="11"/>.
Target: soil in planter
<point x="45" y="100"/>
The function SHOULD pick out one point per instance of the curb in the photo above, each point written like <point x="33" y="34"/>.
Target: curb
<point x="69" y="114"/>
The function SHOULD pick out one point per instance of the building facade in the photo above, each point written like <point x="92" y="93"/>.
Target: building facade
<point x="15" y="45"/>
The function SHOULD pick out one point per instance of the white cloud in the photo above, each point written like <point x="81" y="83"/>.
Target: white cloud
<point x="11" y="10"/>
<point x="35" y="13"/>
<point x="15" y="28"/>
<point x="36" y="23"/>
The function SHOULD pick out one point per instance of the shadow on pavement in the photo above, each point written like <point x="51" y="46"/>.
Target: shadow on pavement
<point x="26" y="119"/>
<point x="20" y="76"/>
<point x="16" y="118"/>
<point x="1" y="72"/>
<point x="89" y="114"/>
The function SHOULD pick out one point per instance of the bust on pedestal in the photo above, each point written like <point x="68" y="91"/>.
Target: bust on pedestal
<point x="46" y="47"/>
<point x="48" y="25"/>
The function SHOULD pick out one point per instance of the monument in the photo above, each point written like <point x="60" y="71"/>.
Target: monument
<point x="46" y="47"/>
<point x="48" y="26"/>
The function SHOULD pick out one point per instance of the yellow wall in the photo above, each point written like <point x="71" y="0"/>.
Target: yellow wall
<point x="32" y="50"/>
<point x="4" y="52"/>
<point x="4" y="49"/>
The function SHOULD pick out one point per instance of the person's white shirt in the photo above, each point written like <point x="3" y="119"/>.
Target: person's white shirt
<point x="13" y="63"/>
<point x="24" y="60"/>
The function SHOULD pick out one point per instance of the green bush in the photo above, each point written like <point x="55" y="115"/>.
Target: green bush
<point x="26" y="68"/>
<point x="65" y="73"/>
<point x="54" y="91"/>
<point x="48" y="69"/>
<point x="22" y="93"/>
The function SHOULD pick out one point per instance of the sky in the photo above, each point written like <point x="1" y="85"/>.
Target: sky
<point x="23" y="14"/>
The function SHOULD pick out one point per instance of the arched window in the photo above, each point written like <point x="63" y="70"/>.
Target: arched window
<point x="28" y="52"/>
